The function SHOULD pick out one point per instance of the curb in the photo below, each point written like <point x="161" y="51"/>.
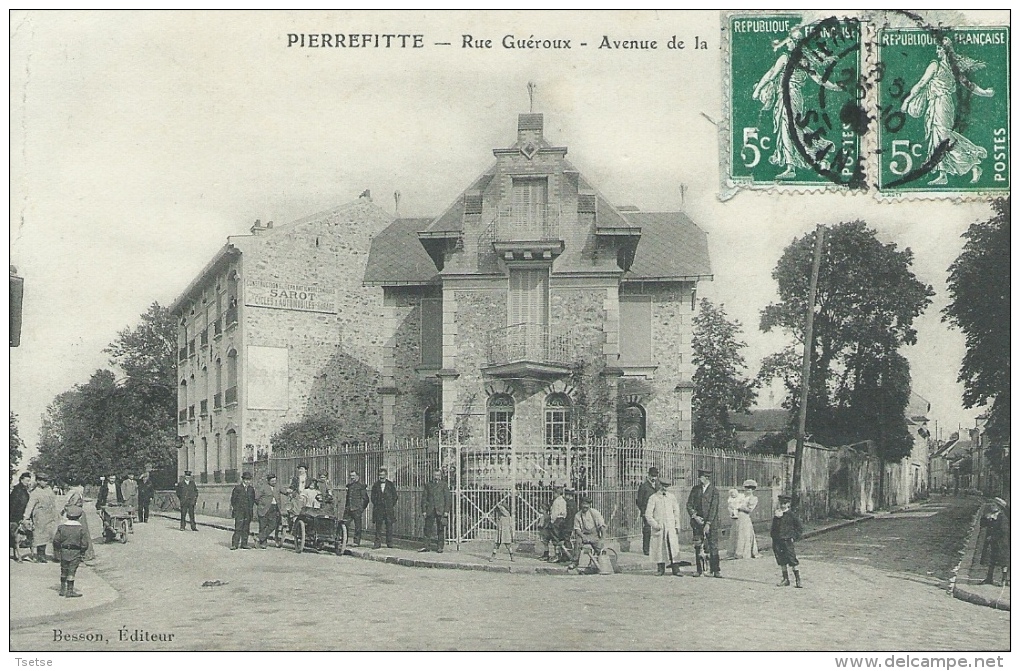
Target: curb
<point x="375" y="555"/>
<point x="966" y="565"/>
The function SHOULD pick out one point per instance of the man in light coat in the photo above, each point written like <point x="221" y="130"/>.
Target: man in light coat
<point x="41" y="516"/>
<point x="663" y="516"/>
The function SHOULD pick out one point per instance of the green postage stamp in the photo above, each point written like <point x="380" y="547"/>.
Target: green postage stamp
<point x="796" y="112"/>
<point x="943" y="99"/>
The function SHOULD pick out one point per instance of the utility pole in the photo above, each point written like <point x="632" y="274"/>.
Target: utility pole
<point x="805" y="371"/>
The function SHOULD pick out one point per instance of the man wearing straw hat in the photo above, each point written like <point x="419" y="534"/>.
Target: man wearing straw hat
<point x="662" y="515"/>
<point x="703" y="507"/>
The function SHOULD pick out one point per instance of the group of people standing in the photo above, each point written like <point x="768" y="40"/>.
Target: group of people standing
<point x="661" y="516"/>
<point x="270" y="503"/>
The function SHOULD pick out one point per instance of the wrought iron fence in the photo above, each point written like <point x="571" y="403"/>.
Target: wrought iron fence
<point x="523" y="479"/>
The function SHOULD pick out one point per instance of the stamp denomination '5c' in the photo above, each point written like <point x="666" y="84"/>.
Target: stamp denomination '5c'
<point x="796" y="114"/>
<point x="943" y="109"/>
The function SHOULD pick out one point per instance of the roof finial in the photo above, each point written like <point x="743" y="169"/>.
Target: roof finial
<point x="531" y="95"/>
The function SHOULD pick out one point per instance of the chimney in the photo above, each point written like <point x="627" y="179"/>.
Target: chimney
<point x="258" y="228"/>
<point x="367" y="195"/>
<point x="529" y="128"/>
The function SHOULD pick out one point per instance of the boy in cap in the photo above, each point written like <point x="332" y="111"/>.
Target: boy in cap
<point x="786" y="529"/>
<point x="69" y="545"/>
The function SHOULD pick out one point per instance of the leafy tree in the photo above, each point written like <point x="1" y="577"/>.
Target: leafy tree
<point x="321" y="432"/>
<point x="979" y="305"/>
<point x="719" y="387"/>
<point x="16" y="447"/>
<point x="867" y="300"/>
<point x="773" y="442"/>
<point x="125" y="425"/>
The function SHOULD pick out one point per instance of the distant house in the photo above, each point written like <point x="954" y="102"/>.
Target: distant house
<point x="753" y="425"/>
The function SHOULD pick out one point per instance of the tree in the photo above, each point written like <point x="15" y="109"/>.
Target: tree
<point x="16" y="447"/>
<point x="867" y="301"/>
<point x="110" y="425"/>
<point x="719" y="387"/>
<point x="319" y="432"/>
<point x="979" y="306"/>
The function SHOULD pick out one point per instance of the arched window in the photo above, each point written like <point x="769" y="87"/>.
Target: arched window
<point x="230" y="396"/>
<point x="182" y="397"/>
<point x="557" y="419"/>
<point x="501" y="417"/>
<point x="203" y="462"/>
<point x="232" y="461"/>
<point x="631" y="422"/>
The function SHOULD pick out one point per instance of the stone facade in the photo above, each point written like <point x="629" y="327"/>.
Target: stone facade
<point x="277" y="328"/>
<point x="531" y="265"/>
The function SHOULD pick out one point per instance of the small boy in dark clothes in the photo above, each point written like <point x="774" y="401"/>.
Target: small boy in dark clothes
<point x="69" y="545"/>
<point x="786" y="528"/>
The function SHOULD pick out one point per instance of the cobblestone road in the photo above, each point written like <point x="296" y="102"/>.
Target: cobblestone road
<point x="277" y="600"/>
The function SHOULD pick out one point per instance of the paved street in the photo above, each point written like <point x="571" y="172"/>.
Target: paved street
<point x="867" y="587"/>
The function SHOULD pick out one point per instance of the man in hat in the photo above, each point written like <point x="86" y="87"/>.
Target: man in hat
<point x="357" y="502"/>
<point x="995" y="552"/>
<point x="145" y="493"/>
<point x="41" y="515"/>
<point x="20" y="494"/>
<point x="786" y="529"/>
<point x="662" y="515"/>
<point x="70" y="542"/>
<point x="703" y="508"/>
<point x="436" y="504"/>
<point x="242" y="505"/>
<point x="558" y="524"/>
<point x="187" y="494"/>
<point x="384" y="503"/>
<point x="644" y="492"/>
<point x="267" y="507"/>
<point x="589" y="529"/>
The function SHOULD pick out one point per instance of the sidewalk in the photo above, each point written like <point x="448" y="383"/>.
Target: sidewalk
<point x="474" y="555"/>
<point x="34" y="587"/>
<point x="970" y="574"/>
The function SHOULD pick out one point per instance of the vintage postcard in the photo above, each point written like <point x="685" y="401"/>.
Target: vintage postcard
<point x="353" y="331"/>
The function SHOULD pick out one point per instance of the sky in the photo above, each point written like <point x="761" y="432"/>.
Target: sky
<point x="141" y="140"/>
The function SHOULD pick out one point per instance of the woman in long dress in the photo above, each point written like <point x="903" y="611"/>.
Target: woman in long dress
<point x="745" y="542"/>
<point x="934" y="98"/>
<point x="41" y="516"/>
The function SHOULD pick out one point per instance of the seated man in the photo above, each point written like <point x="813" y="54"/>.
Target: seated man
<point x="589" y="529"/>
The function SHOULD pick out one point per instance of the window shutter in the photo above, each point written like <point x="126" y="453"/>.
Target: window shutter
<point x="635" y="330"/>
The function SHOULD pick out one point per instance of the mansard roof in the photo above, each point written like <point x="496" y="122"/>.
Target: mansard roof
<point x="397" y="258"/>
<point x="672" y="247"/>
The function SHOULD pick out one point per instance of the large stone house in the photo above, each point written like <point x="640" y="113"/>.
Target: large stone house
<point x="276" y="328"/>
<point x="532" y="312"/>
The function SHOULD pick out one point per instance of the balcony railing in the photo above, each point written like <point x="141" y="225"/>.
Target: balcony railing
<point x="182" y="415"/>
<point x="203" y="407"/>
<point x="528" y="223"/>
<point x="528" y="342"/>
<point x="217" y="401"/>
<point x="230" y="396"/>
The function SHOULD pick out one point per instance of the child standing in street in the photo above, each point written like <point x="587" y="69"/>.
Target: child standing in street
<point x="504" y="531"/>
<point x="70" y="543"/>
<point x="786" y="529"/>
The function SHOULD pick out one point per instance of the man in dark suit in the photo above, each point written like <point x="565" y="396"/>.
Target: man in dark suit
<point x="145" y="493"/>
<point x="357" y="501"/>
<point x="267" y="506"/>
<point x="19" y="502"/>
<point x="242" y="508"/>
<point x="436" y="504"/>
<point x="644" y="492"/>
<point x="187" y="494"/>
<point x="703" y="507"/>
<point x="109" y="492"/>
<point x="384" y="501"/>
